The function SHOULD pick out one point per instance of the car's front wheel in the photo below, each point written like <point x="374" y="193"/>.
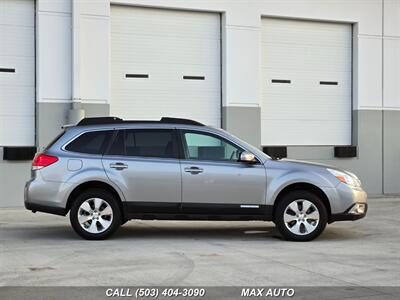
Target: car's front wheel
<point x="95" y="214"/>
<point x="300" y="216"/>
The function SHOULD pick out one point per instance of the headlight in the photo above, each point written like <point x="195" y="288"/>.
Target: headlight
<point x="345" y="178"/>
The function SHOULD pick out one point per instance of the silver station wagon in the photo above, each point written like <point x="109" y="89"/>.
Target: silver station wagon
<point x="106" y="171"/>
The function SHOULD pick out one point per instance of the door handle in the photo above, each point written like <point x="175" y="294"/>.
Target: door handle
<point x="118" y="166"/>
<point x="193" y="170"/>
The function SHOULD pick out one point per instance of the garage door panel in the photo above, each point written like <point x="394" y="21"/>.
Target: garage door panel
<point x="17" y="104"/>
<point x="166" y="79"/>
<point x="165" y="45"/>
<point x="314" y="108"/>
<point x="300" y="32"/>
<point x="23" y="74"/>
<point x="195" y="109"/>
<point x="14" y="129"/>
<point x="169" y="51"/>
<point x="17" y="87"/>
<point x="298" y="58"/>
<point x="144" y="99"/>
<point x="12" y="10"/>
<point x="317" y="74"/>
<point x="166" y="31"/>
<point x="301" y="132"/>
<point x="142" y="21"/>
<point x="307" y="115"/>
<point x="306" y="76"/>
<point x="16" y="41"/>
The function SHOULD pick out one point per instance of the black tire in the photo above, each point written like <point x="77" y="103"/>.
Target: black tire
<point x="114" y="217"/>
<point x="283" y="204"/>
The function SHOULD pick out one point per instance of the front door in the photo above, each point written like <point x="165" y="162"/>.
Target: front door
<point x="144" y="164"/>
<point x="214" y="182"/>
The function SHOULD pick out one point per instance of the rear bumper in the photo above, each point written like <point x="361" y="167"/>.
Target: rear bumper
<point x="45" y="196"/>
<point x="45" y="208"/>
<point x="347" y="216"/>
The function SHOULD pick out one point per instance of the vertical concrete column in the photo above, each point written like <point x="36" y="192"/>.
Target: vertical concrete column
<point x="241" y="113"/>
<point x="92" y="56"/>
<point x="53" y="67"/>
<point x="76" y="113"/>
<point x="391" y="97"/>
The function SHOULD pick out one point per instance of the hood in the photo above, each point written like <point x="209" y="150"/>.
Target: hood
<point x="314" y="164"/>
<point x="303" y="162"/>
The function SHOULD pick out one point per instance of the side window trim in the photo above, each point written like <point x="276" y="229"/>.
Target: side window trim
<point x="185" y="150"/>
<point x="183" y="146"/>
<point x="112" y="140"/>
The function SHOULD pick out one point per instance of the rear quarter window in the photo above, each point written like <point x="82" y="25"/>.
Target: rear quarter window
<point x="94" y="142"/>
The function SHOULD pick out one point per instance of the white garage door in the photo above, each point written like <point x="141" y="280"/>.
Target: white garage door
<point x="306" y="83"/>
<point x="17" y="73"/>
<point x="165" y="63"/>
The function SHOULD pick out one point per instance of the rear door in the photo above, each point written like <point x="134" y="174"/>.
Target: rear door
<point x="144" y="164"/>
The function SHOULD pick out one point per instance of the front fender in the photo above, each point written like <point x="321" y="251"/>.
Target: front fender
<point x="279" y="182"/>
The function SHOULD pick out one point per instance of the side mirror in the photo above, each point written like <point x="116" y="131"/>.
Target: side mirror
<point x="247" y="157"/>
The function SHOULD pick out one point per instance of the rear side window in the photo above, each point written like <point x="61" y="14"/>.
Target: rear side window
<point x="93" y="142"/>
<point x="145" y="143"/>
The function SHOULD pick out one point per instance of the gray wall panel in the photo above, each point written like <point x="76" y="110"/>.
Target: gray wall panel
<point x="391" y="154"/>
<point x="244" y="122"/>
<point x="13" y="176"/>
<point x="50" y="118"/>
<point x="368" y="163"/>
<point x="96" y="110"/>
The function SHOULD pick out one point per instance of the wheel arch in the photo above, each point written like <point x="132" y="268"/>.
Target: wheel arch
<point x="92" y="185"/>
<point x="305" y="187"/>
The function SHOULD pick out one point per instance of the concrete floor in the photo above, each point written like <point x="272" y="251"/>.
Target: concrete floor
<point x="39" y="249"/>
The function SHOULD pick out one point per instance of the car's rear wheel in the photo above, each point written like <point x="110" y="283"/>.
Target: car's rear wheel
<point x="95" y="214"/>
<point x="300" y="216"/>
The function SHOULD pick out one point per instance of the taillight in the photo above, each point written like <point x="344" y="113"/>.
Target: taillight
<point x="43" y="160"/>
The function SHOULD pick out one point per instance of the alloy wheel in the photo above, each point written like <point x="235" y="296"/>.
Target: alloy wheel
<point x="301" y="217"/>
<point x="95" y="215"/>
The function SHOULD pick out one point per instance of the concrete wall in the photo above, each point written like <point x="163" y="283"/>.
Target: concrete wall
<point x="13" y="176"/>
<point x="368" y="163"/>
<point x="72" y="56"/>
<point x="391" y="151"/>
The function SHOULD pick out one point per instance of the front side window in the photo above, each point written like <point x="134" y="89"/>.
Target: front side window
<point x="90" y="142"/>
<point x="204" y="146"/>
<point x="144" y="143"/>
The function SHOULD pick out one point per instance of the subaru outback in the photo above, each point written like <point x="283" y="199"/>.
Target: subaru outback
<point x="106" y="171"/>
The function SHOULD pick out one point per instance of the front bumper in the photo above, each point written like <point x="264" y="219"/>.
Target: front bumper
<point x="349" y="214"/>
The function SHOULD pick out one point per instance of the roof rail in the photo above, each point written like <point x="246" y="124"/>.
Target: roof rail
<point x="115" y="120"/>
<point x="180" y="121"/>
<point x="99" y="120"/>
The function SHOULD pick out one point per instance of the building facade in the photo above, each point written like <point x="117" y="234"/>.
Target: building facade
<point x="319" y="80"/>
